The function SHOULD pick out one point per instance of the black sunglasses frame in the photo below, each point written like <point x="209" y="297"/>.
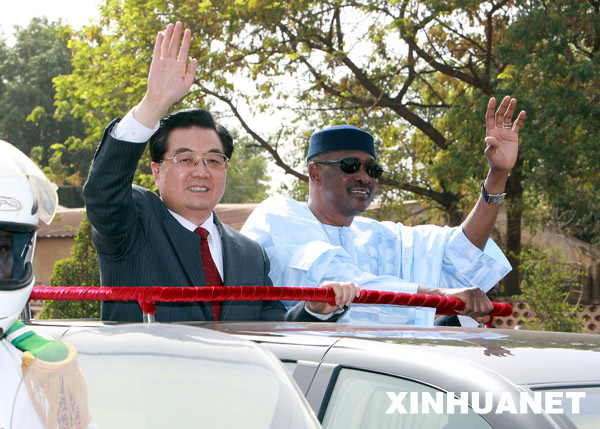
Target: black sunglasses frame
<point x="352" y="164"/>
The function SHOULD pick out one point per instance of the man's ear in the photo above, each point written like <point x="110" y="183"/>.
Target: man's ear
<point x="155" y="166"/>
<point x="314" y="173"/>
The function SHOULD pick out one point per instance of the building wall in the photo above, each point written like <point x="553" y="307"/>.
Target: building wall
<point x="47" y="252"/>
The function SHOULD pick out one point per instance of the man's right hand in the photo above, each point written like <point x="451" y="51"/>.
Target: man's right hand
<point x="169" y="78"/>
<point x="476" y="302"/>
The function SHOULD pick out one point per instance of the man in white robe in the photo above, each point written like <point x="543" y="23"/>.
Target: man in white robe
<point x="325" y="240"/>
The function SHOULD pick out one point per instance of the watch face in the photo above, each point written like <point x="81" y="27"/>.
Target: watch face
<point x="495" y="199"/>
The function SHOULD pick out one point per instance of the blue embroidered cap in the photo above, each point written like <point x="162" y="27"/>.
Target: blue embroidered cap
<point x="340" y="137"/>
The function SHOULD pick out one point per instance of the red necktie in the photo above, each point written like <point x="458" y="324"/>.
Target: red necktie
<point x="213" y="278"/>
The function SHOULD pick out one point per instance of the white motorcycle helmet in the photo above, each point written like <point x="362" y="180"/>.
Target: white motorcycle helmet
<point x="26" y="196"/>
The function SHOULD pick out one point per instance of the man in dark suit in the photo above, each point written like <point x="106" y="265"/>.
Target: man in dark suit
<point x="146" y="240"/>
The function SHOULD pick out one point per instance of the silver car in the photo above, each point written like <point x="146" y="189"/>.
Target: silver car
<point x="354" y="376"/>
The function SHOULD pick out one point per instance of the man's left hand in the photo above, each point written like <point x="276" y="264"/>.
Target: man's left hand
<point x="345" y="292"/>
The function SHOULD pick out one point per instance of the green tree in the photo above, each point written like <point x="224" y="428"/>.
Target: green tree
<point x="27" y="118"/>
<point x="547" y="279"/>
<point x="3" y="59"/>
<point x="80" y="269"/>
<point x="416" y="73"/>
<point x="554" y="48"/>
<point x="247" y="175"/>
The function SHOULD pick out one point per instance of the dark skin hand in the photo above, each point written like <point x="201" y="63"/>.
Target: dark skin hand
<point x="476" y="302"/>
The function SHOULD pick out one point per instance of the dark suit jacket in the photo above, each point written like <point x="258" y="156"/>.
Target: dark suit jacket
<point x="139" y="243"/>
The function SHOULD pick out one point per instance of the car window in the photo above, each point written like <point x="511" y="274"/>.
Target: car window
<point x="289" y="366"/>
<point x="586" y="414"/>
<point x="360" y="400"/>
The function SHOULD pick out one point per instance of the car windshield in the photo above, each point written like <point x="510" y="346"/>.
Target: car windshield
<point x="157" y="376"/>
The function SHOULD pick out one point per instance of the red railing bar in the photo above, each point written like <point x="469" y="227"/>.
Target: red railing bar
<point x="147" y="297"/>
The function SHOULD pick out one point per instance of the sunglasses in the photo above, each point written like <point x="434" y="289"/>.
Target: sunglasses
<point x="352" y="165"/>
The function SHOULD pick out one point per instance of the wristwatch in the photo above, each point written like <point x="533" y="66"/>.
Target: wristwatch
<point x="491" y="199"/>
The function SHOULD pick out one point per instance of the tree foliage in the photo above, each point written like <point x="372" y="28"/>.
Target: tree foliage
<point x="27" y="92"/>
<point x="80" y="269"/>
<point x="547" y="280"/>
<point x="554" y="48"/>
<point x="417" y="74"/>
<point x="246" y="177"/>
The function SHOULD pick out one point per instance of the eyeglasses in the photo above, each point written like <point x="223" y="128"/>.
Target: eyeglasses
<point x="189" y="160"/>
<point x="352" y="165"/>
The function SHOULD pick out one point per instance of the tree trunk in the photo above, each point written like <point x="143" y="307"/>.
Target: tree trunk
<point x="514" y="214"/>
<point x="455" y="217"/>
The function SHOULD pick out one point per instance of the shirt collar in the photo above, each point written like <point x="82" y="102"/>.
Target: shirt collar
<point x="208" y="224"/>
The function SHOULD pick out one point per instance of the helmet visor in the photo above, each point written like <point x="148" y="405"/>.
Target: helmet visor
<point x="15" y="259"/>
<point x="6" y="255"/>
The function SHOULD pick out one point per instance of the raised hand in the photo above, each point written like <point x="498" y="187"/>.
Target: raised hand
<point x="502" y="148"/>
<point x="502" y="135"/>
<point x="170" y="76"/>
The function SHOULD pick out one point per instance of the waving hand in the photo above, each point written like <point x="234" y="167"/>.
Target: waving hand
<point x="502" y="136"/>
<point x="170" y="76"/>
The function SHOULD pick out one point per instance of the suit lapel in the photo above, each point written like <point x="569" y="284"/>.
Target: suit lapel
<point x="232" y="254"/>
<point x="232" y="257"/>
<point x="186" y="246"/>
